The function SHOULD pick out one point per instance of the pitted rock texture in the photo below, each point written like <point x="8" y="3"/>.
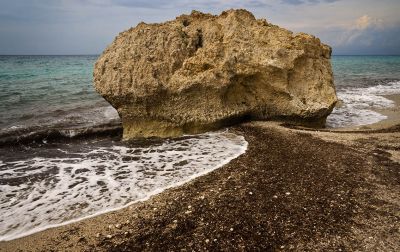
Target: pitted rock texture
<point x="201" y="72"/>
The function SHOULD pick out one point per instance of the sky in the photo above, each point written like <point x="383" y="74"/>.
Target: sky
<point x="60" y="27"/>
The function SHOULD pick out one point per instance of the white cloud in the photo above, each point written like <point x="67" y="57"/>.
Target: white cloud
<point x="361" y="27"/>
<point x="366" y="21"/>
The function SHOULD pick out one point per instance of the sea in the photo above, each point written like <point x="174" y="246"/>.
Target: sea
<point x="61" y="158"/>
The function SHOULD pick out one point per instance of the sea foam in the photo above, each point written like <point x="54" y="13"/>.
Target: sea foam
<point x="51" y="190"/>
<point x="359" y="105"/>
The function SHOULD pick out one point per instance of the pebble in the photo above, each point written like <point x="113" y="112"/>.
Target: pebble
<point x="231" y="229"/>
<point x="207" y="240"/>
<point x="189" y="207"/>
<point x="118" y="226"/>
<point x="110" y="226"/>
<point x="288" y="193"/>
<point x="175" y="221"/>
<point x="127" y="221"/>
<point x="251" y="193"/>
<point x="98" y="235"/>
<point x="275" y="197"/>
<point x="109" y="236"/>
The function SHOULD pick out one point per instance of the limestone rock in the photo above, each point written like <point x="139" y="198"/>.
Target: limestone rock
<point x="201" y="72"/>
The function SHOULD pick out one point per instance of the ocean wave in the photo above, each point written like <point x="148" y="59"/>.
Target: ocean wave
<point x="52" y="186"/>
<point x="358" y="105"/>
<point x="25" y="135"/>
<point x="57" y="119"/>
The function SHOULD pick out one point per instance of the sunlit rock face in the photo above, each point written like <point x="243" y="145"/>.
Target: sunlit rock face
<point x="201" y="72"/>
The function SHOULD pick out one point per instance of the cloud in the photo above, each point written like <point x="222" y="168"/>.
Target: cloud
<point x="366" y="21"/>
<point x="87" y="26"/>
<point x="365" y="35"/>
<point x="372" y="41"/>
<point x="144" y="3"/>
<point x="299" y="2"/>
<point x="365" y="27"/>
<point x="159" y="4"/>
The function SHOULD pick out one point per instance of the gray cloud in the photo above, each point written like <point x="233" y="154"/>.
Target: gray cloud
<point x="87" y="26"/>
<point x="158" y="4"/>
<point x="298" y="2"/>
<point x="373" y="41"/>
<point x="144" y="3"/>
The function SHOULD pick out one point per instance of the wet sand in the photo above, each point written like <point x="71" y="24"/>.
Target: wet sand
<point x="392" y="113"/>
<point x="292" y="190"/>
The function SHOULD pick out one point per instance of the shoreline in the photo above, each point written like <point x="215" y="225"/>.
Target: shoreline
<point x="258" y="200"/>
<point x="106" y="211"/>
<point x="392" y="114"/>
<point x="117" y="229"/>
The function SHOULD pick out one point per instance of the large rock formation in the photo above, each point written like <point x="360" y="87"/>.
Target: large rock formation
<point x="201" y="72"/>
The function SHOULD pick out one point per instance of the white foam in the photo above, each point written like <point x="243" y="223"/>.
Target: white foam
<point x="111" y="113"/>
<point x="58" y="191"/>
<point x="359" y="104"/>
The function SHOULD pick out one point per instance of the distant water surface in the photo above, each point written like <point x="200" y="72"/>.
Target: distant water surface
<point x="57" y="91"/>
<point x="50" y="91"/>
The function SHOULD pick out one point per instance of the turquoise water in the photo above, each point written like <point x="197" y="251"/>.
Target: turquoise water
<point x="361" y="83"/>
<point x="49" y="91"/>
<point x="48" y="177"/>
<point x="359" y="68"/>
<point x="57" y="91"/>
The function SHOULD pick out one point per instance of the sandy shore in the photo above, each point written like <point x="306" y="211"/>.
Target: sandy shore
<point x="292" y="189"/>
<point x="392" y="113"/>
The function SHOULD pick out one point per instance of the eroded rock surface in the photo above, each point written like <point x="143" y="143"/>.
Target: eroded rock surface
<point x="201" y="72"/>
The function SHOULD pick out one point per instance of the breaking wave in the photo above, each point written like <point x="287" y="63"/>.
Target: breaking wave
<point x="359" y="104"/>
<point x="61" y="183"/>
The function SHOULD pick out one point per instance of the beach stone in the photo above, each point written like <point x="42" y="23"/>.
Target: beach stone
<point x="201" y="72"/>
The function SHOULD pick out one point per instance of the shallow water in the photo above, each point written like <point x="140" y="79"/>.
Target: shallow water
<point x="50" y="91"/>
<point x="42" y="185"/>
<point x="361" y="82"/>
